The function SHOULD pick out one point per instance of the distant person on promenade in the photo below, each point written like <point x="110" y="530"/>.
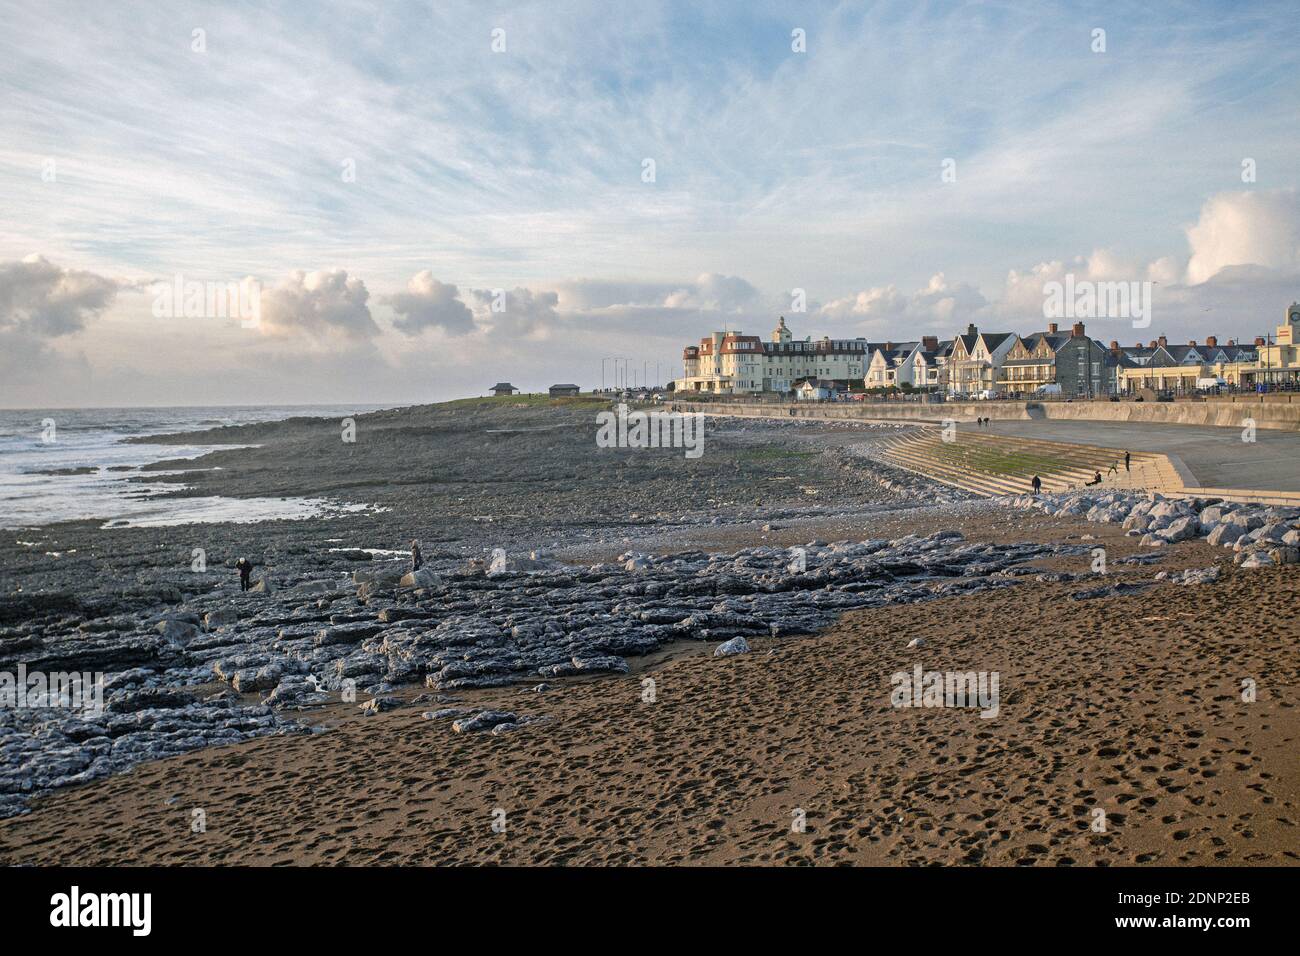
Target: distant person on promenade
<point x="245" y="569"/>
<point x="1037" y="484"/>
<point x="417" y="559"/>
<point x="1126" y="460"/>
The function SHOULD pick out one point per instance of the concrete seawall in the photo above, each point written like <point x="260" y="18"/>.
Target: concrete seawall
<point x="1284" y="415"/>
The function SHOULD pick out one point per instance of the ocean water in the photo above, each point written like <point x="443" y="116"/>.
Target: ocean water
<point x="88" y="446"/>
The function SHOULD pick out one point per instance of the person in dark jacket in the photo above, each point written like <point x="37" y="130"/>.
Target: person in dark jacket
<point x="245" y="569"/>
<point x="1096" y="479"/>
<point x="1037" y="484"/>
<point x="417" y="559"/>
<point x="1126" y="461"/>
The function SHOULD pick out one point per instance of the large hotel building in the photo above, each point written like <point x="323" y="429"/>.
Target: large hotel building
<point x="730" y="363"/>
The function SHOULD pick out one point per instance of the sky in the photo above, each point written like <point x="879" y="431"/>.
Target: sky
<point x="433" y="197"/>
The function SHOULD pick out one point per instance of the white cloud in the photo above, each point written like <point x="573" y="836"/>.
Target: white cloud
<point x="323" y="307"/>
<point x="43" y="300"/>
<point x="430" y="304"/>
<point x="936" y="306"/>
<point x="1245" y="228"/>
<point x="715" y="292"/>
<point x="525" y="314"/>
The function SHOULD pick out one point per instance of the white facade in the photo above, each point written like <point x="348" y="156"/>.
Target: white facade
<point x="731" y="363"/>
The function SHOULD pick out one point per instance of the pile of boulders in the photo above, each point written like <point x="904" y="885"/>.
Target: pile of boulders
<point x="1260" y="535"/>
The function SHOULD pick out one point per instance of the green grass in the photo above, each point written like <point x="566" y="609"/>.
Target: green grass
<point x="531" y="401"/>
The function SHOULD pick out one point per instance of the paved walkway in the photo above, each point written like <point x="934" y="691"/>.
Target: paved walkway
<point x="1216" y="457"/>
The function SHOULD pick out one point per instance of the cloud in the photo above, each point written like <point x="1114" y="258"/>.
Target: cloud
<point x="713" y="291"/>
<point x="45" y="301"/>
<point x="517" y="313"/>
<point x="938" y="305"/>
<point x="1245" y="228"/>
<point x="323" y="306"/>
<point x="430" y="304"/>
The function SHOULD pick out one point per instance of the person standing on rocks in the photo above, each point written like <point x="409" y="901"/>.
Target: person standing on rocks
<point x="417" y="559"/>
<point x="245" y="569"/>
<point x="1126" y="461"/>
<point x="1037" y="484"/>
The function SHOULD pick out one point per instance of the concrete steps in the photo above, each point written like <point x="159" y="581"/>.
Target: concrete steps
<point x="991" y="465"/>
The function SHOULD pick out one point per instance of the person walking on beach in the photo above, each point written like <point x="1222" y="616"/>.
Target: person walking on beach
<point x="245" y="569"/>
<point x="1037" y="484"/>
<point x="417" y="559"/>
<point x="1126" y="460"/>
<point x="1114" y="469"/>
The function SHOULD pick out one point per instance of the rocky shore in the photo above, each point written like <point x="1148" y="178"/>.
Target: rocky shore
<point x="188" y="661"/>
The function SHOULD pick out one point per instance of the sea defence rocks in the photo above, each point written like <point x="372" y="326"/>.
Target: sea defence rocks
<point x="1260" y="535"/>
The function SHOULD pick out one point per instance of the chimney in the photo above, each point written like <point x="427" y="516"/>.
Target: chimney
<point x="1052" y="327"/>
<point x="1232" y="341"/>
<point x="1212" y="341"/>
<point x="1259" y="340"/>
<point x="889" y="346"/>
<point x="1153" y="344"/>
<point x="1114" y="347"/>
<point x="1192" y="342"/>
<point x="1163" y="341"/>
<point x="930" y="343"/>
<point x="971" y="330"/>
<point x="1077" y="331"/>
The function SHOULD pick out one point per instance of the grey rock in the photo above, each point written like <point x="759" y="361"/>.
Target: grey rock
<point x="737" y="645"/>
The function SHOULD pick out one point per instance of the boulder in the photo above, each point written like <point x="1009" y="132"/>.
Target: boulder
<point x="177" y="632"/>
<point x="220" y="616"/>
<point x="1213" y="515"/>
<point x="378" y="705"/>
<point x="737" y="645"/>
<point x="1256" y="559"/>
<point x="483" y="720"/>
<point x="1225" y="534"/>
<point x="1284" y="555"/>
<point x="423" y="578"/>
<point x="1180" y="529"/>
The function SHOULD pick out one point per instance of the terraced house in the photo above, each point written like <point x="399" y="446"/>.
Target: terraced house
<point x="1071" y="360"/>
<point x="976" y="361"/>
<point x="919" y="365"/>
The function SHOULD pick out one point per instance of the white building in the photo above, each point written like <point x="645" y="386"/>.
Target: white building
<point x="731" y="363"/>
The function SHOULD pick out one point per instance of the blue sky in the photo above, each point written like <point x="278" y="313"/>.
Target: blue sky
<point x="522" y="170"/>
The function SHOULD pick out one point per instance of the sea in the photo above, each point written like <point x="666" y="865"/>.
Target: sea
<point x="75" y="464"/>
